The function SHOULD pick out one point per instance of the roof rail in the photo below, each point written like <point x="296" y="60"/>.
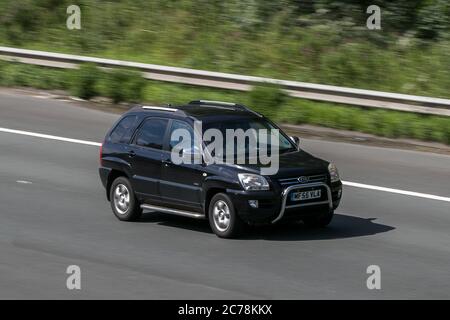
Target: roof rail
<point x="224" y="105"/>
<point x="212" y="102"/>
<point x="159" y="108"/>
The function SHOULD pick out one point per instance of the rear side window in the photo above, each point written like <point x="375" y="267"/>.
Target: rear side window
<point x="123" y="131"/>
<point x="151" y="134"/>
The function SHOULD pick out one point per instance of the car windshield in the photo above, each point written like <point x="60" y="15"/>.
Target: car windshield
<point x="251" y="127"/>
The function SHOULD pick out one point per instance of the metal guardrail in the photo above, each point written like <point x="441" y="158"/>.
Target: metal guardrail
<point x="359" y="97"/>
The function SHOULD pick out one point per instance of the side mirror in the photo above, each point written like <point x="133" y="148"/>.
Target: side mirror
<point x="296" y="141"/>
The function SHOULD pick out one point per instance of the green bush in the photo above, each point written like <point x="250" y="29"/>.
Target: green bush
<point x="15" y="75"/>
<point x="124" y="85"/>
<point x="439" y="129"/>
<point x="2" y="68"/>
<point x="84" y="81"/>
<point x="134" y="87"/>
<point x="267" y="99"/>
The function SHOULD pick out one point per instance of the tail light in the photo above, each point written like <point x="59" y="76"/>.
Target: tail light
<point x="101" y="155"/>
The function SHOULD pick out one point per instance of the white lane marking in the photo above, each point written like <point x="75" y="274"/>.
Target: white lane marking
<point x="390" y="190"/>
<point x="77" y="99"/>
<point x="24" y="182"/>
<point x="50" y="137"/>
<point x="346" y="183"/>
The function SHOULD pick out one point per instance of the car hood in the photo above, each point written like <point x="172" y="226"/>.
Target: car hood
<point x="292" y="164"/>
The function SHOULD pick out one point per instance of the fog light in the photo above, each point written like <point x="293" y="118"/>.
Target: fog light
<point x="253" y="203"/>
<point x="339" y="193"/>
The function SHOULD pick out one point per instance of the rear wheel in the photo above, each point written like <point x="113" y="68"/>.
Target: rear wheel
<point x="319" y="221"/>
<point x="123" y="201"/>
<point x="223" y="218"/>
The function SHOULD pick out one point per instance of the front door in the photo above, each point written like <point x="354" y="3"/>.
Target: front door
<point x="181" y="184"/>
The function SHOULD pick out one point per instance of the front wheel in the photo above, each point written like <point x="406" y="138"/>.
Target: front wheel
<point x="223" y="218"/>
<point x="123" y="201"/>
<point x="319" y="221"/>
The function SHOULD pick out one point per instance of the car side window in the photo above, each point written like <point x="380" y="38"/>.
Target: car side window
<point x="176" y="124"/>
<point x="151" y="134"/>
<point x="123" y="131"/>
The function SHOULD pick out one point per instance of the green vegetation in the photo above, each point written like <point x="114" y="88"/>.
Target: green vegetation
<point x="123" y="85"/>
<point x="17" y="74"/>
<point x="120" y="85"/>
<point x="321" y="41"/>
<point x="84" y="81"/>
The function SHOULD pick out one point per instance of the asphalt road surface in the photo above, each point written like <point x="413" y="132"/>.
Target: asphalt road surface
<point x="53" y="213"/>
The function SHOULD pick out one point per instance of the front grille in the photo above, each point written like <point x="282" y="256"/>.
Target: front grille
<point x="306" y="179"/>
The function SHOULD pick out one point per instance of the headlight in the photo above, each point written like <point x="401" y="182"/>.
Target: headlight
<point x="334" y="174"/>
<point x="252" y="182"/>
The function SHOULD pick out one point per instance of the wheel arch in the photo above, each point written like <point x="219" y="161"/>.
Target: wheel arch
<point x="210" y="193"/>
<point x="214" y="185"/>
<point x="113" y="175"/>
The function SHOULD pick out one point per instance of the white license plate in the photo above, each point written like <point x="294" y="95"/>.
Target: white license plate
<point x="306" y="195"/>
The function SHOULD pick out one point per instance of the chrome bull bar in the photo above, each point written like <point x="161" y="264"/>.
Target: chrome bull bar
<point x="286" y="191"/>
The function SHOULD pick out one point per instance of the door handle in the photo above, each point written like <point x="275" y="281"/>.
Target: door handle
<point x="131" y="153"/>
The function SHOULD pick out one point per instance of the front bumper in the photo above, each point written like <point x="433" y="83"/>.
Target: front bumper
<point x="274" y="205"/>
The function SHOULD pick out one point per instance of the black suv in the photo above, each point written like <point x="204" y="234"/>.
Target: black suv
<point x="138" y="172"/>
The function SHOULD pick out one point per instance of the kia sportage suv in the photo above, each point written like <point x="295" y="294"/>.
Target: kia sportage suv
<point x="141" y="171"/>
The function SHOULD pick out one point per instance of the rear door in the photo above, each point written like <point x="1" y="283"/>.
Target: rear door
<point x="146" y="154"/>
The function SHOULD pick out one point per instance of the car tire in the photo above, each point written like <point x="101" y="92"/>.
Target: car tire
<point x="123" y="200"/>
<point x="319" y="221"/>
<point x="223" y="218"/>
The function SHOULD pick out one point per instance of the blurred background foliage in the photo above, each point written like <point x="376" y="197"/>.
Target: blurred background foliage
<point x="321" y="41"/>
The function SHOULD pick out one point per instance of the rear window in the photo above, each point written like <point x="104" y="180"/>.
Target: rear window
<point x="151" y="134"/>
<point x="123" y="131"/>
